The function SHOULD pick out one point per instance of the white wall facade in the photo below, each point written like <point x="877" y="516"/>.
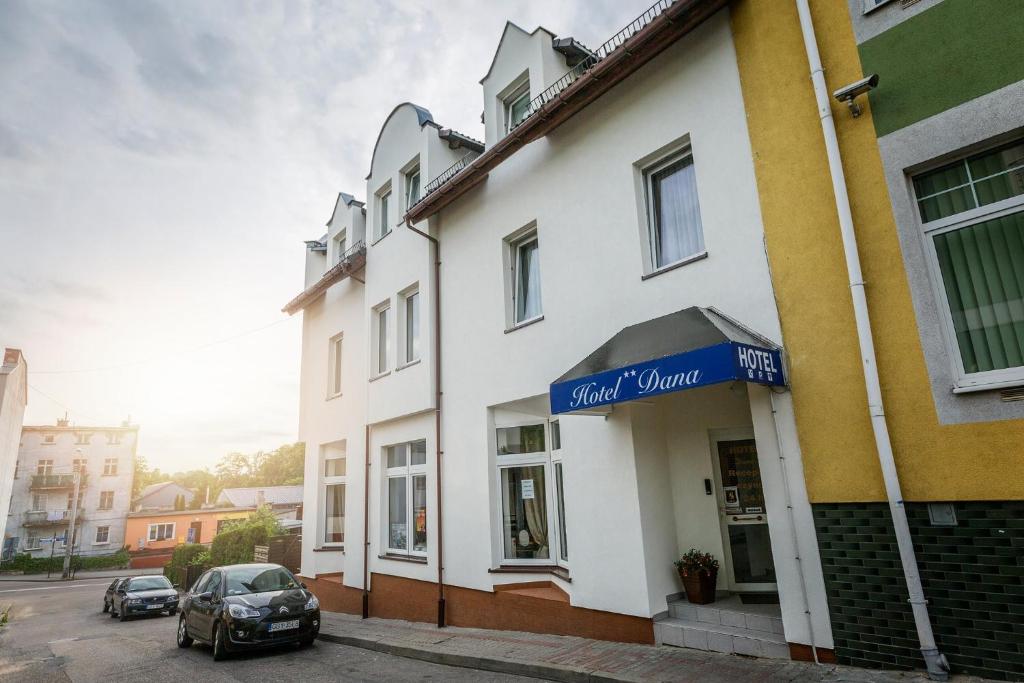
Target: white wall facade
<point x="63" y="445"/>
<point x="633" y="479"/>
<point x="13" y="397"/>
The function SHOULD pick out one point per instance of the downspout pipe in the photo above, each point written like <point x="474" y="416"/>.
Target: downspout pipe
<point x="935" y="661"/>
<point x="366" y="524"/>
<point x="441" y="618"/>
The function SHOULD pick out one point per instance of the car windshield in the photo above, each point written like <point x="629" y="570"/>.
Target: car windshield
<point x="148" y="583"/>
<point x="259" y="579"/>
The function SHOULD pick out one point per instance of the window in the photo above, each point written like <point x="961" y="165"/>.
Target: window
<point x="528" y="530"/>
<point x="44" y="467"/>
<point x="556" y="462"/>
<point x="334" y="366"/>
<point x="673" y="213"/>
<point x="78" y="464"/>
<point x="383" y="221"/>
<point x="412" y="327"/>
<point x="161" y="532"/>
<point x="339" y="246"/>
<point x="49" y="439"/>
<point x="406" y="466"/>
<point x="525" y="260"/>
<point x="82" y="438"/>
<point x="32" y="542"/>
<point x="38" y="501"/>
<point x="412" y="187"/>
<point x="102" y="534"/>
<point x="334" y="494"/>
<point x="109" y="467"/>
<point x="382" y="339"/>
<point x="214" y="585"/>
<point x="113" y="438"/>
<point x="517" y="105"/>
<point x="972" y="216"/>
<point x="106" y="500"/>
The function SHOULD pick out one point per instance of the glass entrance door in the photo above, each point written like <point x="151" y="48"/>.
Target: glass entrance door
<point x="744" y="520"/>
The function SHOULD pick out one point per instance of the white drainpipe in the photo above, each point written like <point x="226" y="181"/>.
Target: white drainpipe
<point x="938" y="667"/>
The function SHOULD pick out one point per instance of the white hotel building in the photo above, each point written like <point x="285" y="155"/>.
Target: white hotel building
<point x="608" y="242"/>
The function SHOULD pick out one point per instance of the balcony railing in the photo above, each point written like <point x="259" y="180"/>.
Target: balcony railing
<point x="446" y="174"/>
<point x="55" y="481"/>
<point x="50" y="517"/>
<point x="593" y="58"/>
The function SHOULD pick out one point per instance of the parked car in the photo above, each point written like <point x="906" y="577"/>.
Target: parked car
<point x="246" y="606"/>
<point x="108" y="597"/>
<point x="141" y="595"/>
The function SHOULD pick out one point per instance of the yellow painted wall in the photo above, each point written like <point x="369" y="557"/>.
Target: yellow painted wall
<point x="982" y="461"/>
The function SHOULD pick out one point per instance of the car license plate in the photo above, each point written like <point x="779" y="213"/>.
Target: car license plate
<point x="160" y="606"/>
<point x="284" y="625"/>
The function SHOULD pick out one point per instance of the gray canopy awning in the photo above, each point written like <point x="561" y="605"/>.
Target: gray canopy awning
<point x="683" y="350"/>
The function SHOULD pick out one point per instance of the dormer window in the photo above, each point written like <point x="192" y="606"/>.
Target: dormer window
<point x="517" y="105"/>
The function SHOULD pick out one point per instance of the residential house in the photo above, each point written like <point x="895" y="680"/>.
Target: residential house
<point x="13" y="398"/>
<point x="162" y="496"/>
<point x="284" y="501"/>
<point x="154" y="534"/>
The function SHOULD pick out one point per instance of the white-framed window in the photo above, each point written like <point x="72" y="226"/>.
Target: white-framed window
<point x="412" y="187"/>
<point x="161" y="532"/>
<point x="340" y="244"/>
<point x="406" y="495"/>
<point x="102" y="534"/>
<point x="113" y="438"/>
<point x="524" y="283"/>
<point x="79" y="464"/>
<point x="334" y="481"/>
<point x="110" y="467"/>
<point x="82" y="438"/>
<point x="38" y="502"/>
<point x="32" y="542"/>
<point x="44" y="467"/>
<point x="381" y="338"/>
<point x="383" y="201"/>
<point x="674" y="231"/>
<point x="529" y="519"/>
<point x="106" y="500"/>
<point x="972" y="219"/>
<point x="517" y="105"/>
<point x="334" y="351"/>
<point x="411" y="326"/>
<point x="555" y="432"/>
<point x="49" y="439"/>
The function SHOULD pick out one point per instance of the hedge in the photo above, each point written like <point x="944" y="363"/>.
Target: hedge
<point x="234" y="545"/>
<point x="38" y="565"/>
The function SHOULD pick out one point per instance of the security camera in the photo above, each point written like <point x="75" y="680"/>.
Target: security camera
<point x="848" y="94"/>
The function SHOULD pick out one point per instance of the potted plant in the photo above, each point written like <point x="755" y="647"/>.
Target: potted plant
<point x="699" y="573"/>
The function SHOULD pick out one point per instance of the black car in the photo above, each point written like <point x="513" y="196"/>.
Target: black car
<point x="245" y="606"/>
<point x="141" y="595"/>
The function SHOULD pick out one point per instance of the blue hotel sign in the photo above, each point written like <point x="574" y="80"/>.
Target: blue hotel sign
<point x="725" y="362"/>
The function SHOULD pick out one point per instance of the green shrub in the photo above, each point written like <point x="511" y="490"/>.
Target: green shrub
<point x="40" y="565"/>
<point x="234" y="544"/>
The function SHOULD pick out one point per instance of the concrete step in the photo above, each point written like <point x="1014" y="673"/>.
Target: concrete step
<point x="734" y="616"/>
<point x="720" y="638"/>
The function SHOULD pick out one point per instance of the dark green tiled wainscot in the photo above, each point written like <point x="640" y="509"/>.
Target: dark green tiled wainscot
<point x="973" y="575"/>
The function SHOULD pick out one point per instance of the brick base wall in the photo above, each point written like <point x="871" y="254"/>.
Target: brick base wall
<point x="973" y="576"/>
<point x="394" y="597"/>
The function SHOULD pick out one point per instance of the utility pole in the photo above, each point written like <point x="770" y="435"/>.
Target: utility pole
<point x="69" y="539"/>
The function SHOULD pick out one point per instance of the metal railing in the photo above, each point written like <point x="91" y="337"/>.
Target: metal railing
<point x="45" y="517"/>
<point x="593" y="58"/>
<point x="353" y="251"/>
<point x="55" y="481"/>
<point x="446" y="175"/>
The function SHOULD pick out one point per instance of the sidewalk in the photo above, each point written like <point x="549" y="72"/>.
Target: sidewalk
<point x="579" y="660"/>
<point x="80" y="575"/>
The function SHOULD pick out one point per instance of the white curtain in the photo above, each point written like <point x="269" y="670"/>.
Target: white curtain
<point x="529" y="281"/>
<point x="679" y="233"/>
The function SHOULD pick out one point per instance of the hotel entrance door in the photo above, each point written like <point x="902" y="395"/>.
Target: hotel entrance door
<point x="748" y="563"/>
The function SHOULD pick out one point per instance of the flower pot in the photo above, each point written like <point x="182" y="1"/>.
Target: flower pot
<point x="699" y="586"/>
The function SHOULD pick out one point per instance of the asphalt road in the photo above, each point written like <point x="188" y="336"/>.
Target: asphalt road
<point x="56" y="632"/>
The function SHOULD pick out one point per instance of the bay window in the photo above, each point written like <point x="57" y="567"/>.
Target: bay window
<point x="406" y="492"/>
<point x="972" y="217"/>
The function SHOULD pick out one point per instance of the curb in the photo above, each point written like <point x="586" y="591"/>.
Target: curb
<point x="551" y="672"/>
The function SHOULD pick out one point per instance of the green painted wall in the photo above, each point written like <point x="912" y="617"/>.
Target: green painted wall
<point x="947" y="55"/>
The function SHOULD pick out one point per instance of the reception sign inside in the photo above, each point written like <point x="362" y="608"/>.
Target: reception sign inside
<point x="723" y="362"/>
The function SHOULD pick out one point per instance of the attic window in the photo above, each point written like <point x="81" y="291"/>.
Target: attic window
<point x="517" y="105"/>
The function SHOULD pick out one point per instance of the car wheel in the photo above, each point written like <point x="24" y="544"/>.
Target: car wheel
<point x="307" y="642"/>
<point x="113" y="614"/>
<point x="122" y="615"/>
<point x="220" y="652"/>
<point x="172" y="612"/>
<point x="184" y="639"/>
<point x="106" y="606"/>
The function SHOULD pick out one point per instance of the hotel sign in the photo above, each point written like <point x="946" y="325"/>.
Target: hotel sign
<point x="725" y="362"/>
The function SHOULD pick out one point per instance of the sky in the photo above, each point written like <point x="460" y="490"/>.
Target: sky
<point x="160" y="165"/>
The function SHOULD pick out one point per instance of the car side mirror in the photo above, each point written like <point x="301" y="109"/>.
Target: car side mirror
<point x="205" y="597"/>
